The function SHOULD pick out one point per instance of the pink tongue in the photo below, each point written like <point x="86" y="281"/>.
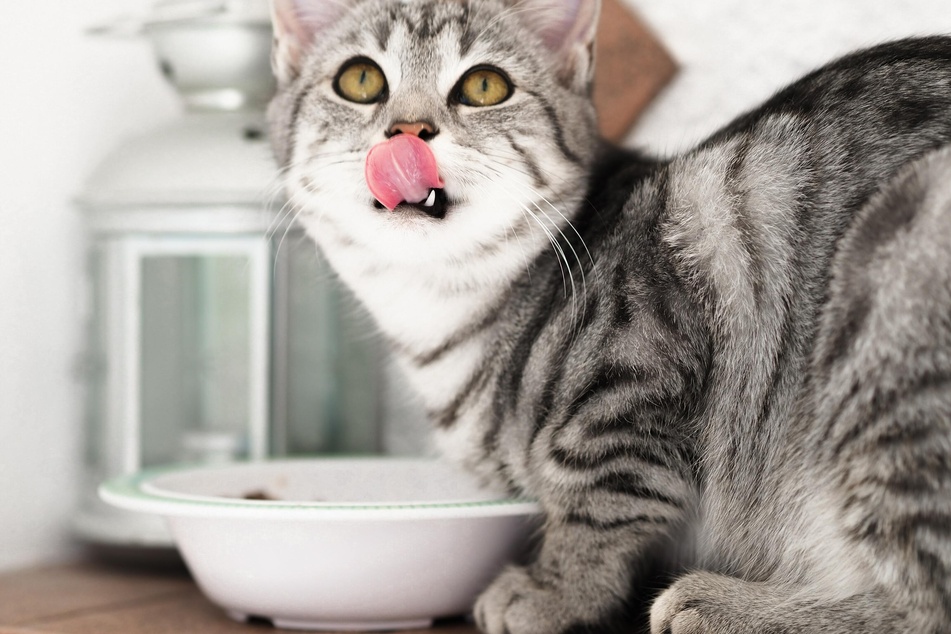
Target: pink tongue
<point x="400" y="169"/>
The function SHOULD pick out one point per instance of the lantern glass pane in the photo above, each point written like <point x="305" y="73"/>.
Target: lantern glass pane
<point x="195" y="374"/>
<point x="327" y="360"/>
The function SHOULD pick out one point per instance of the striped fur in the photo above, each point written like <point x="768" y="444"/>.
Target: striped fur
<point x="732" y="365"/>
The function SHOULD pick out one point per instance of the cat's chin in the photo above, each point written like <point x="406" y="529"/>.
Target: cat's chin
<point x="435" y="207"/>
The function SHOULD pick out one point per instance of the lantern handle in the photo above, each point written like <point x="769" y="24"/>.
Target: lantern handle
<point x="127" y="26"/>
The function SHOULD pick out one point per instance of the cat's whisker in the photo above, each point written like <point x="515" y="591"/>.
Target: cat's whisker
<point x="544" y="199"/>
<point x="526" y="256"/>
<point x="313" y="166"/>
<point x="584" y="285"/>
<point x="294" y="212"/>
<point x="566" y="275"/>
<point x="562" y="258"/>
<point x="325" y="160"/>
<point x="555" y="243"/>
<point x="277" y="188"/>
<point x="281" y="217"/>
<point x="562" y="251"/>
<point x="581" y="271"/>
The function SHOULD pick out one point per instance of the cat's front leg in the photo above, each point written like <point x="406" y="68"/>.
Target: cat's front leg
<point x="570" y="583"/>
<point x="613" y="510"/>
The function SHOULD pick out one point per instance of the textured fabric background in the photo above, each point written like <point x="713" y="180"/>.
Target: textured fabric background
<point x="735" y="53"/>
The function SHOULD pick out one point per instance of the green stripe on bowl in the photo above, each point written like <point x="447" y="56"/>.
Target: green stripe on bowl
<point x="131" y="486"/>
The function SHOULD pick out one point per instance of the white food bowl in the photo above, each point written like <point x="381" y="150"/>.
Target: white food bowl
<point x="342" y="544"/>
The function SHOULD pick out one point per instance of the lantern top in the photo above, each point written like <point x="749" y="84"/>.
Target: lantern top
<point x="215" y="53"/>
<point x="172" y="13"/>
<point x="200" y="161"/>
<point x="234" y="11"/>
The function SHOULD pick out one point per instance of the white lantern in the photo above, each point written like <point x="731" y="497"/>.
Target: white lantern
<point x="215" y="332"/>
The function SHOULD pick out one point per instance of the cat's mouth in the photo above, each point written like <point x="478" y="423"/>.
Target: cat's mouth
<point x="435" y="205"/>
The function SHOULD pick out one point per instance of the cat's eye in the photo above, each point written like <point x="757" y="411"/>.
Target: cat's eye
<point x="360" y="81"/>
<point x="483" y="86"/>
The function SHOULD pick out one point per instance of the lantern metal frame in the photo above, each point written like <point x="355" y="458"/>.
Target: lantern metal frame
<point x="124" y="258"/>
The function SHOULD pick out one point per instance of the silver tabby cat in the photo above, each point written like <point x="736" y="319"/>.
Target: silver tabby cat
<point x="726" y="376"/>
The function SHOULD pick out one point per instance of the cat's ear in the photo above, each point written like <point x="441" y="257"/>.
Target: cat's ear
<point x="568" y="29"/>
<point x="296" y="25"/>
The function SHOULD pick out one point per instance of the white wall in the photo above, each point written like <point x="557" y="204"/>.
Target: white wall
<point x="66" y="99"/>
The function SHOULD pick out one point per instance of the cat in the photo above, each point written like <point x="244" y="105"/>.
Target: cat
<point x="726" y="372"/>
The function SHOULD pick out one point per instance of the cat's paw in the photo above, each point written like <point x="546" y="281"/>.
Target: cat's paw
<point x="670" y="615"/>
<point x="710" y="603"/>
<point x="693" y="605"/>
<point x="516" y="603"/>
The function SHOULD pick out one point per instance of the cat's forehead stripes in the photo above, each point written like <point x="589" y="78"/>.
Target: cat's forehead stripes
<point x="454" y="28"/>
<point x="421" y="20"/>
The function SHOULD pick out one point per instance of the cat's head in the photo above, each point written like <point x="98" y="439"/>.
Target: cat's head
<point x="498" y="91"/>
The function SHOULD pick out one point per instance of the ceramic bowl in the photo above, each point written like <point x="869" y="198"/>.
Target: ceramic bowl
<point x="334" y="544"/>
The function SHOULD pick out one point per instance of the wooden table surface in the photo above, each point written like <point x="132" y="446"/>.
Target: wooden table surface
<point x="94" y="598"/>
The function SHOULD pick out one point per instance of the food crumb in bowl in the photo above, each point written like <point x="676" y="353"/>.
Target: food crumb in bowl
<point x="259" y="494"/>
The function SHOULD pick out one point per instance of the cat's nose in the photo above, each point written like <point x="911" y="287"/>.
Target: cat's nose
<point x="423" y="129"/>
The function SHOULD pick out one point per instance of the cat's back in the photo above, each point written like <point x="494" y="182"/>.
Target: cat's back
<point x="781" y="183"/>
<point x="754" y="217"/>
